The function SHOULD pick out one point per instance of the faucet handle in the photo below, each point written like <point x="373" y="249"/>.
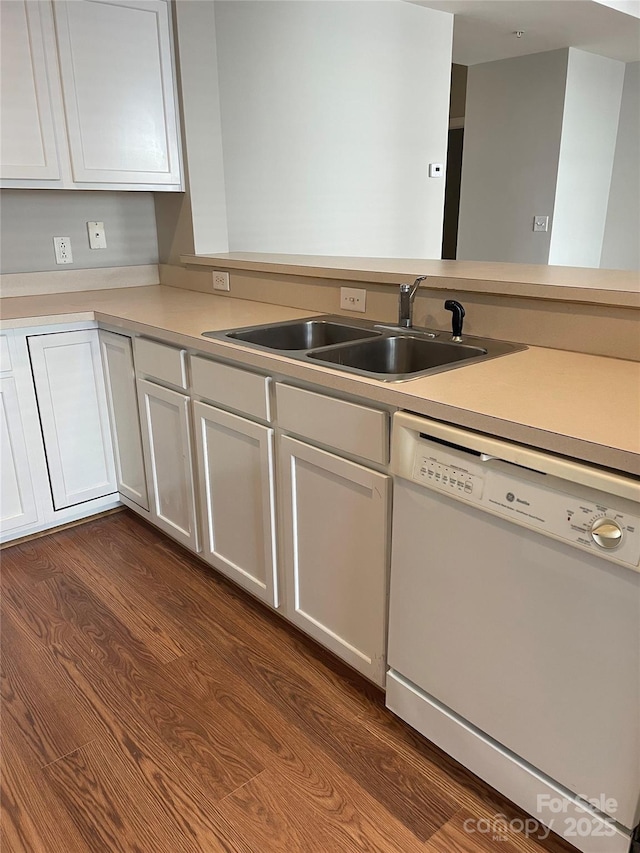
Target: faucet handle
<point x="457" y="318"/>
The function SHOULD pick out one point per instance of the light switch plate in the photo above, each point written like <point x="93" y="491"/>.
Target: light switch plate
<point x="436" y="170"/>
<point x="97" y="235"/>
<point x="353" y="299"/>
<point x="540" y="223"/>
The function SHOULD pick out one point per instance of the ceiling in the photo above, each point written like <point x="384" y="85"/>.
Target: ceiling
<point x="483" y="30"/>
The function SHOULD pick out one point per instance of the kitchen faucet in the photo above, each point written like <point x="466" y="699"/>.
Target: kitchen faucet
<point x="405" y="302"/>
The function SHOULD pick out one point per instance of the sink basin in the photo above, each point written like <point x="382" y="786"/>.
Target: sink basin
<point x="386" y="353"/>
<point x="397" y="356"/>
<point x="304" y="335"/>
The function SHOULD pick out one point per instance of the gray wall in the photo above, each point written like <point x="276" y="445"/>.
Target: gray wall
<point x="30" y="219"/>
<point x="512" y="134"/>
<point x="458" y="97"/>
<point x="621" y="245"/>
<point x="331" y="113"/>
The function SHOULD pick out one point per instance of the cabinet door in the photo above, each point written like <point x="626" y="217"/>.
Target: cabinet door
<point x="167" y="447"/>
<point x="27" y="135"/>
<point x="67" y="374"/>
<point x="117" y="82"/>
<point x="235" y="470"/>
<point x="336" y="543"/>
<point x="122" y="402"/>
<point x="17" y="495"/>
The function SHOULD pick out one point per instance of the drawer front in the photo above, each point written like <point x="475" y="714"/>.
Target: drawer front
<point x="231" y="387"/>
<point x="337" y="423"/>
<point x="160" y="361"/>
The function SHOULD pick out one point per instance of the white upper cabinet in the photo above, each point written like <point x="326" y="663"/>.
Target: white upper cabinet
<point x="117" y="81"/>
<point x="27" y="133"/>
<point x="88" y="95"/>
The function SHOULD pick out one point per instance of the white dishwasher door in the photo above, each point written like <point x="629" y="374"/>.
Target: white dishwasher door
<point x="532" y="641"/>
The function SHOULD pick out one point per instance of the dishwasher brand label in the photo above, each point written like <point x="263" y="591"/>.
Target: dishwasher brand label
<point x="561" y="515"/>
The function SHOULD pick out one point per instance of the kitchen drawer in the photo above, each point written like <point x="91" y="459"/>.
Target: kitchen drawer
<point x="160" y="361"/>
<point x="337" y="423"/>
<point x="231" y="387"/>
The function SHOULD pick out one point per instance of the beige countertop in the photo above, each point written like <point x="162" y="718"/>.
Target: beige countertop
<point x="578" y="284"/>
<point x="582" y="406"/>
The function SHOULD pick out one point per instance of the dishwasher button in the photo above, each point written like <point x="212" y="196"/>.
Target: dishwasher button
<point x="468" y="487"/>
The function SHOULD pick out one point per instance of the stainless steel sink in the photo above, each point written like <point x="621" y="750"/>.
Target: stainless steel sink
<point x="398" y="356"/>
<point x="296" y="335"/>
<point x="383" y="352"/>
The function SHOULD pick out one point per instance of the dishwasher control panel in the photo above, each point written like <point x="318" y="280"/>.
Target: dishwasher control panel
<point x="438" y="473"/>
<point x="556" y="507"/>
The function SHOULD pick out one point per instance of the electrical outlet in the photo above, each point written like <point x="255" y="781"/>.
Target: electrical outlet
<point x="353" y="299"/>
<point x="220" y="280"/>
<point x="97" y="235"/>
<point x="62" y="246"/>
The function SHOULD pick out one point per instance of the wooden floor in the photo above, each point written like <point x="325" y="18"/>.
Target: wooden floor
<point x="149" y="706"/>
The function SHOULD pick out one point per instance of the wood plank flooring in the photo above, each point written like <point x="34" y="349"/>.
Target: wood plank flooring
<point x="149" y="706"/>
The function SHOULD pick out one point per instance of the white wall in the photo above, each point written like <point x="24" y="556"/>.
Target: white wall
<point x="512" y="133"/>
<point x="30" y="219"/>
<point x="331" y="113"/>
<point x="196" y="221"/>
<point x="621" y="244"/>
<point x="589" y="130"/>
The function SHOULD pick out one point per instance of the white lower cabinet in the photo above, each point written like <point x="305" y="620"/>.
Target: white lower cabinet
<point x="122" y="402"/>
<point x="166" y="441"/>
<point x="56" y="462"/>
<point x="335" y="550"/>
<point x="235" y="466"/>
<point x="69" y="383"/>
<point x="18" y="507"/>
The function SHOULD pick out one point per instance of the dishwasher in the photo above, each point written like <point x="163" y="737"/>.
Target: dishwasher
<point x="514" y="624"/>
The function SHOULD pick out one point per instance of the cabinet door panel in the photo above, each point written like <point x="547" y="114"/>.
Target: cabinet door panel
<point x="117" y="81"/>
<point x="167" y="446"/>
<point x="122" y="401"/>
<point x="67" y="373"/>
<point x="336" y="523"/>
<point x="27" y="136"/>
<point x="235" y="464"/>
<point x="17" y="497"/>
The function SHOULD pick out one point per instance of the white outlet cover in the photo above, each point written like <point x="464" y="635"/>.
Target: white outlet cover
<point x="62" y="246"/>
<point x="436" y="170"/>
<point x="220" y="280"/>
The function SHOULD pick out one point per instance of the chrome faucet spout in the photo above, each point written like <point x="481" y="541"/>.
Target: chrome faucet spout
<point x="405" y="302"/>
